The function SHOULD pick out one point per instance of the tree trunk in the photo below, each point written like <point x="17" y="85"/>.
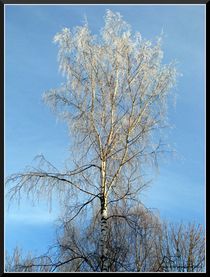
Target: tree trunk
<point x="104" y="227"/>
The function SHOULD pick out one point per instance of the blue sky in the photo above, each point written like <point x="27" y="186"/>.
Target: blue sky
<point x="31" y="68"/>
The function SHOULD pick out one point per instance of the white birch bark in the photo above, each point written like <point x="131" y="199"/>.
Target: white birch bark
<point x="104" y="214"/>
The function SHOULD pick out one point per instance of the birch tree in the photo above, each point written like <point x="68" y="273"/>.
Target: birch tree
<point x="114" y="102"/>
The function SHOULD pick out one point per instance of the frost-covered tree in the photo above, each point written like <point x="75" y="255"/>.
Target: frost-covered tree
<point x="114" y="101"/>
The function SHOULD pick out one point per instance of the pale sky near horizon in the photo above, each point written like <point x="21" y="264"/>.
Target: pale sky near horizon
<point x="31" y="68"/>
